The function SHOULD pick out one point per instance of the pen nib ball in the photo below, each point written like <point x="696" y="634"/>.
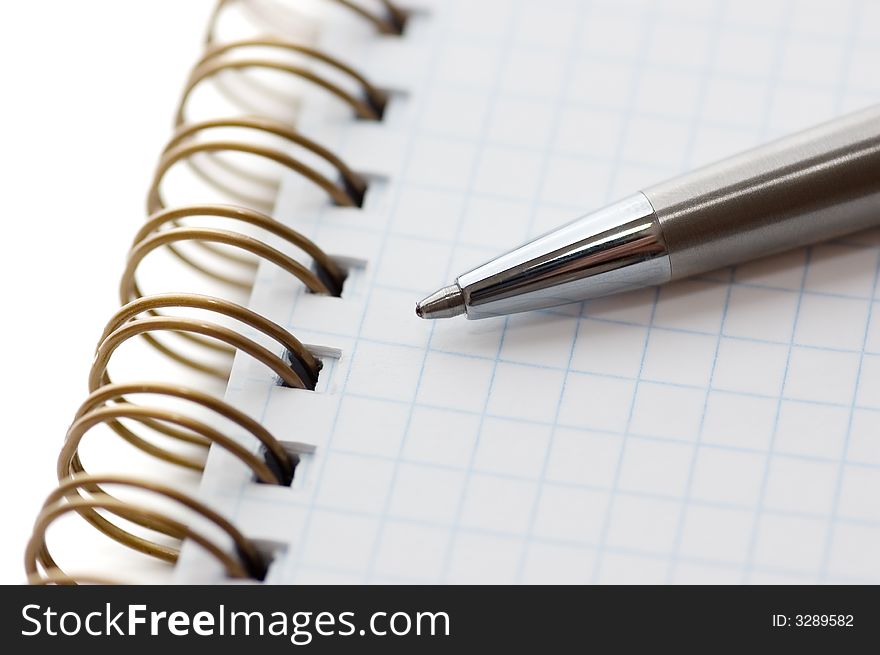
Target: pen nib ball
<point x="445" y="303"/>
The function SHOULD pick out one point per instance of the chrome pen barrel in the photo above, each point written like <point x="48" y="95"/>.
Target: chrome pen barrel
<point x="818" y="184"/>
<point x="615" y="249"/>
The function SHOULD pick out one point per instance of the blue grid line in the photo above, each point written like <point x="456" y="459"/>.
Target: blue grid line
<point x="601" y="319"/>
<point x="579" y="20"/>
<point x="291" y="563"/>
<point x="682" y="19"/>
<point x="711" y="56"/>
<point x="759" y="506"/>
<point x="450" y="547"/>
<point x="660" y="555"/>
<point x="744" y="450"/>
<point x="753" y="545"/>
<point x="551" y="151"/>
<point x="676" y="119"/>
<point x="842" y="464"/>
<point x="612" y="433"/>
<point x="771" y="447"/>
<point x="856" y="10"/>
<point x="586" y="157"/>
<point x="582" y="486"/>
<point x="389" y="496"/>
<point x="574" y="543"/>
<point x="576" y="210"/>
<point x="663" y="498"/>
<point x="790" y="572"/>
<point x="388" y="578"/>
<point x="606" y="58"/>
<point x="627" y="434"/>
<point x="730" y="76"/>
<point x="609" y="511"/>
<point x="647" y="31"/>
<point x="644" y="436"/>
<point x="263" y="495"/>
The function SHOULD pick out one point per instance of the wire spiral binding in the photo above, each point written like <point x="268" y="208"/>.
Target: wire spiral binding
<point x="140" y="526"/>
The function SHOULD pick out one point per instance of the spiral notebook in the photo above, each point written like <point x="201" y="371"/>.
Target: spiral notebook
<point x="722" y="429"/>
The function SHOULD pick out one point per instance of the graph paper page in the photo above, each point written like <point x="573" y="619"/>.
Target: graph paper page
<point x="722" y="429"/>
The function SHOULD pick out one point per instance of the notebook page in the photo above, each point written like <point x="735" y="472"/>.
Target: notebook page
<point x="723" y="429"/>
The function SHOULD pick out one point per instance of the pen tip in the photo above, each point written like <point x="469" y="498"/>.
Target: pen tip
<point x="445" y="303"/>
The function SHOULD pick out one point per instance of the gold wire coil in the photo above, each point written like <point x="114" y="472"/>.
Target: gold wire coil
<point x="66" y="498"/>
<point x="348" y="192"/>
<point x="228" y="238"/>
<point x="183" y="146"/>
<point x="368" y="106"/>
<point x="299" y="371"/>
<point x="243" y="242"/>
<point x="122" y="327"/>
<point x="119" y="394"/>
<point x="328" y="273"/>
<point x="109" y="403"/>
<point x="350" y="183"/>
<point x="391" y="20"/>
<point x="220" y="8"/>
<point x="58" y="577"/>
<point x="327" y="279"/>
<point x="304" y="367"/>
<point x="69" y="462"/>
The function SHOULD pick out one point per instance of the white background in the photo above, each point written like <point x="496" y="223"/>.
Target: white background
<point x="87" y="91"/>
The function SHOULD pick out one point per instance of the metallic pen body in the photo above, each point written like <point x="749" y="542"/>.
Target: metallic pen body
<point x="814" y="185"/>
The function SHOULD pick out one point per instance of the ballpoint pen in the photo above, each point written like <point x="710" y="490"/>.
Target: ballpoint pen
<point x="817" y="184"/>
